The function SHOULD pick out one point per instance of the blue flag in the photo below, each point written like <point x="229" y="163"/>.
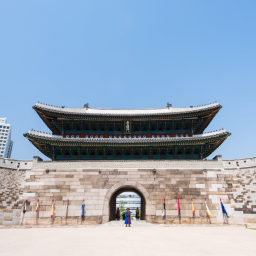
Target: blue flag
<point x="223" y="208"/>
<point x="82" y="210"/>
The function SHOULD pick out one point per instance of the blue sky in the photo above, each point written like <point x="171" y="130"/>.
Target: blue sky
<point x="129" y="54"/>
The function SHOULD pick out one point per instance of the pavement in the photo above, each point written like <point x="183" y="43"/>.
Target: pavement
<point x="140" y="239"/>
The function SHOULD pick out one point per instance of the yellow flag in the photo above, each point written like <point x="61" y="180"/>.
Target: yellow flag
<point x="207" y="209"/>
<point x="52" y="208"/>
<point x="193" y="208"/>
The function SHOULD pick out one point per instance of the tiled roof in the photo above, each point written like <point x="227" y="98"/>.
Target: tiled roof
<point x="125" y="112"/>
<point x="129" y="139"/>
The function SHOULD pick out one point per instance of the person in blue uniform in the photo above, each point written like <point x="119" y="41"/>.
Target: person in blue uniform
<point x="128" y="217"/>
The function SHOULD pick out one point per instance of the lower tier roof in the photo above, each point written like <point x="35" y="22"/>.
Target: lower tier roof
<point x="46" y="142"/>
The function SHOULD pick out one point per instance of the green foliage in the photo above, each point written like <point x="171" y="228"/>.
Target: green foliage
<point x="121" y="209"/>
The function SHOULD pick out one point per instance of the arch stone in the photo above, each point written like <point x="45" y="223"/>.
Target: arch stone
<point x="150" y="208"/>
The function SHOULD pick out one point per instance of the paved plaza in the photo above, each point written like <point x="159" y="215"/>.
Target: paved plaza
<point x="140" y="239"/>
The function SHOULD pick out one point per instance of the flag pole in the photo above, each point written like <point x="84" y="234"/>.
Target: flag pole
<point x="164" y="212"/>
<point x="179" y="211"/>
<point x="225" y="218"/>
<point x="24" y="211"/>
<point x="67" y="210"/>
<point x="193" y="210"/>
<point x="37" y="212"/>
<point x="82" y="214"/>
<point x="207" y="212"/>
<point x="52" y="211"/>
<point x="222" y="212"/>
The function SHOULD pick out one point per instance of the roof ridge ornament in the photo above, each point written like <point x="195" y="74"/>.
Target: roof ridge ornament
<point x="169" y="105"/>
<point x="86" y="105"/>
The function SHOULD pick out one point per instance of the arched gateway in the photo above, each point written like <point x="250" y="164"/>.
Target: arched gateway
<point x="109" y="202"/>
<point x="153" y="152"/>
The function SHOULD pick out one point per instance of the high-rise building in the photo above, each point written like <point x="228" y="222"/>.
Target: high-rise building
<point x="5" y="139"/>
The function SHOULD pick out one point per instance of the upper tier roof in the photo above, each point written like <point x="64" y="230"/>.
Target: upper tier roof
<point x="125" y="112"/>
<point x="50" y="114"/>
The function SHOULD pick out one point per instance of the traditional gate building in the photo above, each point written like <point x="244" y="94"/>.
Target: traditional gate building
<point x="96" y="154"/>
<point x="144" y="134"/>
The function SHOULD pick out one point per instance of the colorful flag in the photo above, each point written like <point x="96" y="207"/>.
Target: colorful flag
<point x="207" y="209"/>
<point x="223" y="208"/>
<point x="193" y="208"/>
<point x="179" y="207"/>
<point x="37" y="206"/>
<point x="163" y="213"/>
<point x="52" y="208"/>
<point x="25" y="207"/>
<point x="82" y="214"/>
<point x="67" y="208"/>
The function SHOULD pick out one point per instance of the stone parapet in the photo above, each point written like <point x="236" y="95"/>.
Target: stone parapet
<point x="138" y="164"/>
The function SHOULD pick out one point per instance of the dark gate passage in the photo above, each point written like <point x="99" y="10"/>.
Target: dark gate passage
<point x="112" y="202"/>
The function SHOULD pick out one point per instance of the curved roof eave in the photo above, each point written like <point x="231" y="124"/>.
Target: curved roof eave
<point x="55" y="138"/>
<point x="124" y="112"/>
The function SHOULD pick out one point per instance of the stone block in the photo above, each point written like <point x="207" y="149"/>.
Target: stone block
<point x="196" y="221"/>
<point x="7" y="223"/>
<point x="150" y="209"/>
<point x="172" y="212"/>
<point x="250" y="220"/>
<point x="185" y="220"/>
<point x="29" y="221"/>
<point x="7" y="218"/>
<point x="44" y="221"/>
<point x="105" y="219"/>
<point x="58" y="220"/>
<point x="96" y="212"/>
<point x="44" y="214"/>
<point x="54" y="190"/>
<point x="214" y="220"/>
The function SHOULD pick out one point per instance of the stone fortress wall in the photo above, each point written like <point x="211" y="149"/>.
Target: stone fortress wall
<point x="11" y="195"/>
<point x="12" y="178"/>
<point x="242" y="197"/>
<point x="96" y="181"/>
<point x="15" y="164"/>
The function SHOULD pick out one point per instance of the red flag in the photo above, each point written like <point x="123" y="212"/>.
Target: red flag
<point x="52" y="208"/>
<point x="179" y="206"/>
<point x="37" y="206"/>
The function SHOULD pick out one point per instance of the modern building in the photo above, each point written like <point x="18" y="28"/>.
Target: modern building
<point x="6" y="143"/>
<point x="130" y="200"/>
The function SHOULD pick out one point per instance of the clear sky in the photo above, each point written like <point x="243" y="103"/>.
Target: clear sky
<point x="129" y="54"/>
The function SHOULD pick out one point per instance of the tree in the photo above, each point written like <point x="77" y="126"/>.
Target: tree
<point x="121" y="209"/>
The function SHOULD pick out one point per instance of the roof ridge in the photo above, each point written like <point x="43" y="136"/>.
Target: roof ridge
<point x="126" y="112"/>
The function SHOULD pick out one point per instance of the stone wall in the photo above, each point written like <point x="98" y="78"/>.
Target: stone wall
<point x="15" y="164"/>
<point x="11" y="196"/>
<point x="242" y="206"/>
<point x="78" y="180"/>
<point x="97" y="181"/>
